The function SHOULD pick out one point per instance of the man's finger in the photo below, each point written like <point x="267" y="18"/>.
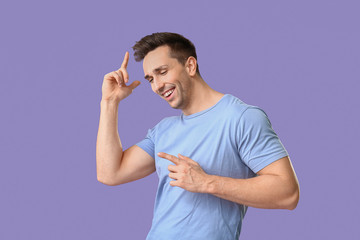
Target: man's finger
<point x="120" y="78"/>
<point x="182" y="157"/>
<point x="134" y="84"/>
<point x="117" y="77"/>
<point x="125" y="61"/>
<point x="125" y="74"/>
<point x="169" y="157"/>
<point x="172" y="168"/>
<point x="174" y="183"/>
<point x="173" y="176"/>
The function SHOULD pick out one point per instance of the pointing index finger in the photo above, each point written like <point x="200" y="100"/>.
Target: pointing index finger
<point x="169" y="157"/>
<point x="125" y="61"/>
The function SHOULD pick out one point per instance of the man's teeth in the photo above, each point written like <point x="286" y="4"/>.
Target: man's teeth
<point x="168" y="93"/>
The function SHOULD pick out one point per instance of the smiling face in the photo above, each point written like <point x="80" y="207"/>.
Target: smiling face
<point x="168" y="77"/>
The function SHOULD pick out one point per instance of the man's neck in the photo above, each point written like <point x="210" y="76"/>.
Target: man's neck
<point x="202" y="97"/>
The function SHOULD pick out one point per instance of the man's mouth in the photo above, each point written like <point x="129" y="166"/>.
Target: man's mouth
<point x="168" y="93"/>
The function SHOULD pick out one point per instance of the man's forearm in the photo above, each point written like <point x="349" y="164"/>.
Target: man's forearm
<point x="108" y="146"/>
<point x="265" y="191"/>
<point x="276" y="185"/>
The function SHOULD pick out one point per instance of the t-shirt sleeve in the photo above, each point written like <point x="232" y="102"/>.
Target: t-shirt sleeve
<point x="259" y="145"/>
<point x="147" y="144"/>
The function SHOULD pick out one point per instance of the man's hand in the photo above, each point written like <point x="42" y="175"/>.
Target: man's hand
<point x="187" y="173"/>
<point x="114" y="85"/>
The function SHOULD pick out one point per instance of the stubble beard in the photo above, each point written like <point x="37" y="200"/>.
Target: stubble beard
<point x="178" y="102"/>
<point x="182" y="97"/>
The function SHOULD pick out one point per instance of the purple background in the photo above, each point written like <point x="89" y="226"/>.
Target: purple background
<point x="298" y="60"/>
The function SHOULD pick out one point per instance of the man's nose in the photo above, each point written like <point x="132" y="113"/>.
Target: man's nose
<point x="158" y="84"/>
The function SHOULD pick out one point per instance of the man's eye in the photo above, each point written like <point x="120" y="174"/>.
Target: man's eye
<point x="150" y="80"/>
<point x="163" y="72"/>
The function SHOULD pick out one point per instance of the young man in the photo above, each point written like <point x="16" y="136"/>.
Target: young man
<point x="215" y="159"/>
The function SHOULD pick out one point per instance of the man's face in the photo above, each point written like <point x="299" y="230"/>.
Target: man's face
<point x="168" y="78"/>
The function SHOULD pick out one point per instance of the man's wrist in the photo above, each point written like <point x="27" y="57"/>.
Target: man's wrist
<point x="109" y="103"/>
<point x="210" y="184"/>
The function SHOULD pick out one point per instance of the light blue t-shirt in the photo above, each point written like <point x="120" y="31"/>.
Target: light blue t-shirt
<point x="230" y="139"/>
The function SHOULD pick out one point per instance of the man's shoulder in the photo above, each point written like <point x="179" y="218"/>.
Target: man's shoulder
<point x="236" y="105"/>
<point x="238" y="109"/>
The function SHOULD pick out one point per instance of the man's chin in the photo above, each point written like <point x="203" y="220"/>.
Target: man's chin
<point x="175" y="105"/>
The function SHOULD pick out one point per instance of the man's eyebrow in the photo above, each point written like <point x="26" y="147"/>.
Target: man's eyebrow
<point x="156" y="70"/>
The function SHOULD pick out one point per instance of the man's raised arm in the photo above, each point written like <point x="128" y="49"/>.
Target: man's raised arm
<point x="113" y="165"/>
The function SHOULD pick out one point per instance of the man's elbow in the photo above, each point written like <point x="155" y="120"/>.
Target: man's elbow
<point x="293" y="199"/>
<point x="108" y="182"/>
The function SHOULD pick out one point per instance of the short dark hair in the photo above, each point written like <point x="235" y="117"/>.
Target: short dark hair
<point x="180" y="47"/>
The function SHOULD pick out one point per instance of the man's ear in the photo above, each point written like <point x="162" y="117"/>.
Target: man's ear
<point x="191" y="65"/>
